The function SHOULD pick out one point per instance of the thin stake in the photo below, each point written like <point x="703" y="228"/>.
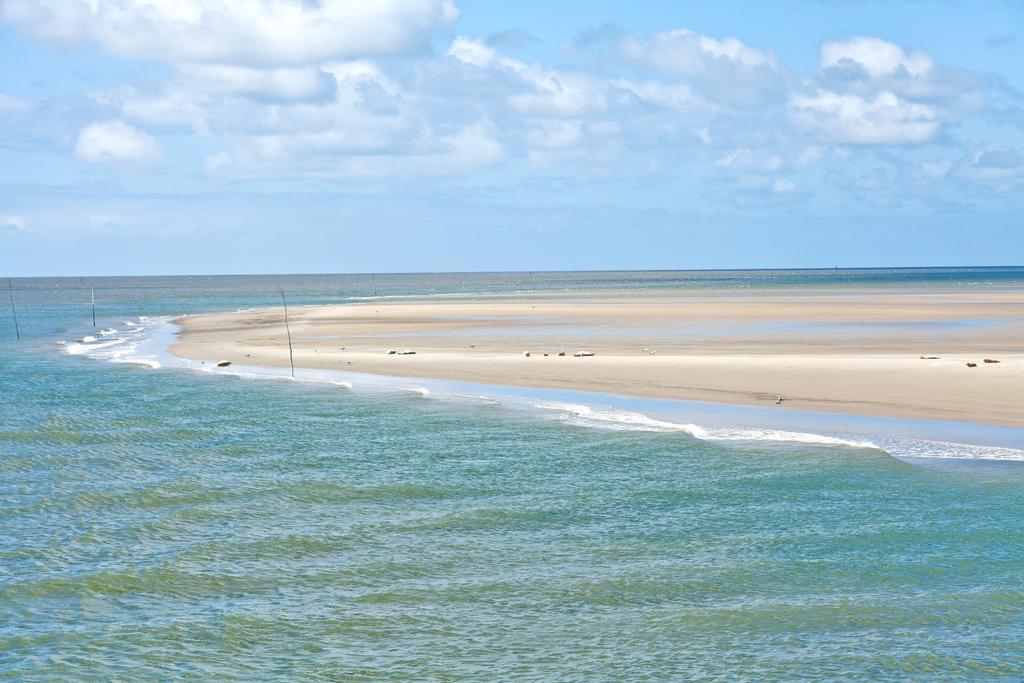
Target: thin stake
<point x="93" y="289"/>
<point x="14" y="311"/>
<point x="291" y="358"/>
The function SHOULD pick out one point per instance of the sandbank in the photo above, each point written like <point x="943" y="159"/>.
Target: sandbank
<point x="846" y="351"/>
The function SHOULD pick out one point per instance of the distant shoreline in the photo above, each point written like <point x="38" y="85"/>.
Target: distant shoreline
<point x="856" y="352"/>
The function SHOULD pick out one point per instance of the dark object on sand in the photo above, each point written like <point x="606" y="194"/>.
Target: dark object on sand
<point x="972" y="365"/>
<point x="929" y="357"/>
<point x="583" y="354"/>
<point x="223" y="364"/>
<point x="990" y="360"/>
<point x="561" y="353"/>
<point x="407" y="353"/>
<point x="392" y="352"/>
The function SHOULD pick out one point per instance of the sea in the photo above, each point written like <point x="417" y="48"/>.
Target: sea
<point x="162" y="521"/>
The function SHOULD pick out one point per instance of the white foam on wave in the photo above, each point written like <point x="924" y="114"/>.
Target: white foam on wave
<point x="742" y="434"/>
<point x="925" y="449"/>
<point x="475" y="398"/>
<point x="146" y="362"/>
<point x="617" y="420"/>
<point x="105" y="344"/>
<point x="79" y="348"/>
<point x="902" y="447"/>
<point x="621" y="420"/>
<point x="119" y="346"/>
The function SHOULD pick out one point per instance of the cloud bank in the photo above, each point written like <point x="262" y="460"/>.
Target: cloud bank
<point x="298" y="91"/>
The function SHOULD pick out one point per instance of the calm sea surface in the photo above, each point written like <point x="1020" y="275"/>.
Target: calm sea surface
<point x="165" y="523"/>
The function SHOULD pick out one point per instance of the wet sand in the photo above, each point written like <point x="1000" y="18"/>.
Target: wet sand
<point x="849" y="351"/>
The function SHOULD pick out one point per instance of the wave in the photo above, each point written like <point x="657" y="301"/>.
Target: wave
<point x="119" y="346"/>
<point x="620" y="420"/>
<point x="902" y="447"/>
<point x="924" y="449"/>
<point x="146" y="362"/>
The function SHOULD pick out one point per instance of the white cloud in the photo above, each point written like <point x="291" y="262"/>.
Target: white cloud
<point x="993" y="163"/>
<point x="685" y="53"/>
<point x="15" y="223"/>
<point x="530" y="88"/>
<point x="473" y="52"/>
<point x="747" y="159"/>
<point x="932" y="170"/>
<point x="116" y="143"/>
<point x="676" y="97"/>
<point x="334" y="155"/>
<point x="871" y="91"/>
<point x="471" y="148"/>
<point x="560" y="93"/>
<point x="243" y="32"/>
<point x="726" y="70"/>
<point x="869" y="65"/>
<point x="809" y="156"/>
<point x="878" y="58"/>
<point x="217" y="163"/>
<point x="174" y="105"/>
<point x="852" y="119"/>
<point x="766" y="186"/>
<point x="555" y="134"/>
<point x="9" y="104"/>
<point x="998" y="157"/>
<point x="299" y="84"/>
<point x="783" y="186"/>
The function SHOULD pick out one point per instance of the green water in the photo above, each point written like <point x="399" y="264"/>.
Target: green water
<point x="158" y="524"/>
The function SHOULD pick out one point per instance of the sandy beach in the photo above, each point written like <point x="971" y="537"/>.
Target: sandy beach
<point x="849" y="351"/>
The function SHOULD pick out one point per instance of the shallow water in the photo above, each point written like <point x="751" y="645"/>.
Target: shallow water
<point x="162" y="523"/>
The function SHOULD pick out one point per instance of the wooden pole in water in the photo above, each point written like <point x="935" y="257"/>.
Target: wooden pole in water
<point x="93" y="290"/>
<point x="291" y="358"/>
<point x="14" y="311"/>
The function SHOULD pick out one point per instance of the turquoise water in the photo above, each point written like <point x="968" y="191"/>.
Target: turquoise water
<point x="171" y="523"/>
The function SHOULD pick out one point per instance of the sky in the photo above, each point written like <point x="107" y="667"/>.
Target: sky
<point x="269" y="136"/>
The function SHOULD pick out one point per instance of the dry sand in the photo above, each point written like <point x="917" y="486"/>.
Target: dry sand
<point x="840" y="351"/>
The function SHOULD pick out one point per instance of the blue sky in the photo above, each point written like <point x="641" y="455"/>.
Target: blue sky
<point x="217" y="136"/>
